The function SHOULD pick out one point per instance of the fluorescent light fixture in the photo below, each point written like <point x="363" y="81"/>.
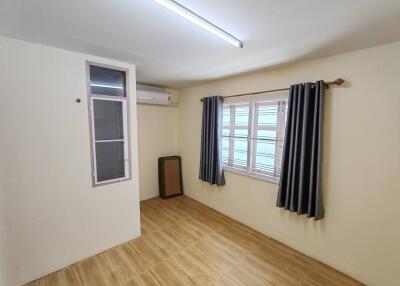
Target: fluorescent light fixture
<point x="106" y="85"/>
<point x="196" y="19"/>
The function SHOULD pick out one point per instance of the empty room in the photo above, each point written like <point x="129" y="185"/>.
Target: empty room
<point x="199" y="142"/>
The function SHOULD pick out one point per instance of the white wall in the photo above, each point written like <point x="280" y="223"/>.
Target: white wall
<point x="360" y="233"/>
<point x="157" y="137"/>
<point x="55" y="216"/>
<point x="5" y="230"/>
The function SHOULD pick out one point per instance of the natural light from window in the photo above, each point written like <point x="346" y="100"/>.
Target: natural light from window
<point x="252" y="137"/>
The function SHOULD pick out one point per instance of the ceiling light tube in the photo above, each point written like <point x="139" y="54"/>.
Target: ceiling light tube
<point x="203" y="23"/>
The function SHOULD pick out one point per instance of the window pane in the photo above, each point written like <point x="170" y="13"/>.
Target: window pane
<point x="267" y="115"/>
<point x="225" y="132"/>
<point x="110" y="161"/>
<point x="264" y="159"/>
<point x="226" y="117"/>
<point x="266" y="134"/>
<point x="108" y="119"/>
<point x="242" y="115"/>
<point x="268" y="138"/>
<point x="241" y="132"/>
<point x="240" y="153"/>
<point x="225" y="150"/>
<point x="107" y="81"/>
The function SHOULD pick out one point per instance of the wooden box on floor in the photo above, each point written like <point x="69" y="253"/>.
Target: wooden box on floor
<point x="170" y="176"/>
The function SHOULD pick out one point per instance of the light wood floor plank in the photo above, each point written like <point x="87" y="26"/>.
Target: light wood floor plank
<point x="186" y="243"/>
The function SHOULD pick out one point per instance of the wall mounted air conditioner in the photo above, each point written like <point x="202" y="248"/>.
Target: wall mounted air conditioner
<point x="156" y="95"/>
<point x="153" y="97"/>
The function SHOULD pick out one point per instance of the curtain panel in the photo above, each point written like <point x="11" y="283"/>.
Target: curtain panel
<point x="210" y="154"/>
<point x="300" y="187"/>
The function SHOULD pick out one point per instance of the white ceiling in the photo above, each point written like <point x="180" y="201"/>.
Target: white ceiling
<point x="173" y="52"/>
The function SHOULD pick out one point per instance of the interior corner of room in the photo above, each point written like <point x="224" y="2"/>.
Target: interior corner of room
<point x="161" y="142"/>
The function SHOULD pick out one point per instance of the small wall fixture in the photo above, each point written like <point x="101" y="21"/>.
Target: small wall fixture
<point x="201" y="22"/>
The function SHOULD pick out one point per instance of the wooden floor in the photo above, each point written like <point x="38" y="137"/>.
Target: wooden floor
<point x="186" y="243"/>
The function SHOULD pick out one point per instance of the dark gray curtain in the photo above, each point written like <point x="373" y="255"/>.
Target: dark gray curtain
<point x="210" y="157"/>
<point x="300" y="187"/>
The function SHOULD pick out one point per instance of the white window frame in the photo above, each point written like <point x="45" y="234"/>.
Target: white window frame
<point x="126" y="126"/>
<point x="250" y="145"/>
<point x="232" y="129"/>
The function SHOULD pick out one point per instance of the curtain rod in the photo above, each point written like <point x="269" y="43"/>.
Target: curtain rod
<point x="338" y="81"/>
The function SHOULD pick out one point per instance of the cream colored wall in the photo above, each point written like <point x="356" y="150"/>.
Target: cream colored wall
<point x="360" y="234"/>
<point x="157" y="137"/>
<point x="5" y="229"/>
<point x="55" y="217"/>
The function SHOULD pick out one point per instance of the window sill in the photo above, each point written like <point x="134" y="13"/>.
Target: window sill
<point x="251" y="175"/>
<point x="110" y="182"/>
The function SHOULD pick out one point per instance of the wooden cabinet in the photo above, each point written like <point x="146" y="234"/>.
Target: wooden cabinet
<point x="170" y="176"/>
